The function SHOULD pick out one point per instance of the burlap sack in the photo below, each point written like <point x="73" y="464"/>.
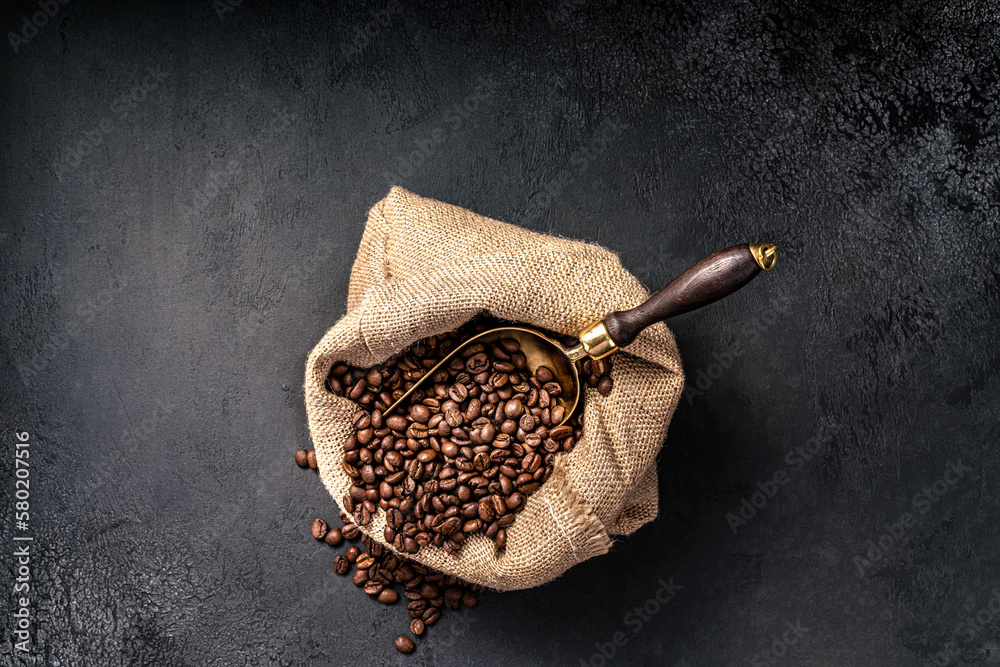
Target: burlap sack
<point x="425" y="268"/>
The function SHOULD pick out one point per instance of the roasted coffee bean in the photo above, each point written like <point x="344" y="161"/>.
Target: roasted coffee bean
<point x="353" y="553"/>
<point x="388" y="596"/>
<point x="360" y="578"/>
<point x="477" y="363"/>
<point x="301" y="458"/>
<point x="557" y="415"/>
<point x="358" y="389"/>
<point x="605" y="385"/>
<point x="470" y="350"/>
<point x="350" y="532"/>
<point x="396" y="422"/>
<point x="404" y="644"/>
<point x="481" y="461"/>
<point x="334" y="537"/>
<point x="417" y="627"/>
<point x="420" y="413"/>
<point x="560" y="432"/>
<point x="458" y="392"/>
<point x="513" y="408"/>
<point x="311" y="459"/>
<point x="510" y="346"/>
<point x="341" y="565"/>
<point x="499" y="506"/>
<point x="319" y="529"/>
<point x="362" y="419"/>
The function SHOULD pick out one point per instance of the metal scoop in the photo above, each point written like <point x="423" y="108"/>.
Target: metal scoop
<point x="707" y="281"/>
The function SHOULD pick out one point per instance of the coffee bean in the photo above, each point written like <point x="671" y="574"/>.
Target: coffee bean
<point x="353" y="553"/>
<point x="486" y="512"/>
<point x="341" y="565"/>
<point x="527" y="423"/>
<point x="509" y="345"/>
<point x="420" y="413"/>
<point x="470" y="350"/>
<point x="319" y="529"/>
<point x="334" y="537"/>
<point x="301" y="458"/>
<point x="404" y="644"/>
<point x="477" y="363"/>
<point x="311" y="459"/>
<point x="558" y="412"/>
<point x="554" y="389"/>
<point x="560" y="432"/>
<point x="514" y="501"/>
<point x="544" y="374"/>
<point x="449" y="526"/>
<point x="417" y="627"/>
<point x="396" y="422"/>
<point x="499" y="506"/>
<point x="458" y="392"/>
<point x="360" y="578"/>
<point x="388" y="596"/>
<point x="350" y="532"/>
<point x="358" y="389"/>
<point x="605" y="385"/>
<point x="513" y="409"/>
<point x="362" y="419"/>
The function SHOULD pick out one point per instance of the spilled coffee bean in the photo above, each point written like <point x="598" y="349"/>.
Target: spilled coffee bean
<point x="378" y="571"/>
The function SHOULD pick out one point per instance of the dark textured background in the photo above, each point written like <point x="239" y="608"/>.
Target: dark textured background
<point x="163" y="283"/>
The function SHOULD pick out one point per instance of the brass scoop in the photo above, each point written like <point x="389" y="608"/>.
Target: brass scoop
<point x="707" y="281"/>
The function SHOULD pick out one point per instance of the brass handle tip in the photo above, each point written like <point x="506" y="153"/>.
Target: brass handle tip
<point x="765" y="254"/>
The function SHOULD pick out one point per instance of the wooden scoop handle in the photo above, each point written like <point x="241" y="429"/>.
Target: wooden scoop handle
<point x="707" y="281"/>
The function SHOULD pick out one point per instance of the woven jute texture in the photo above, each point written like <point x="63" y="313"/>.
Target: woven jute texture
<point x="425" y="268"/>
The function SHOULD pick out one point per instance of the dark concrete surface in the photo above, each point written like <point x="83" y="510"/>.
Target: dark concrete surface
<point x="181" y="196"/>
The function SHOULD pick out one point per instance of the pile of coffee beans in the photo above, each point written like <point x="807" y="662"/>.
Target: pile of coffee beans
<point x="378" y="570"/>
<point x="461" y="456"/>
<point x="467" y="448"/>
